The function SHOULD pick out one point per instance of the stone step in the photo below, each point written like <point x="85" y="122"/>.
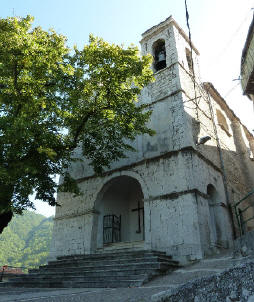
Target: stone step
<point x="130" y="246"/>
<point x="118" y="269"/>
<point x="113" y="255"/>
<point x="99" y="266"/>
<point x="109" y="250"/>
<point x="105" y="273"/>
<point x="103" y="284"/>
<point x="58" y="278"/>
<point x="73" y="284"/>
<point x="95" y="262"/>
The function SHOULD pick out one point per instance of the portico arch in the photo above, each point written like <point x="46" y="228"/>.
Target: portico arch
<point x="120" y="200"/>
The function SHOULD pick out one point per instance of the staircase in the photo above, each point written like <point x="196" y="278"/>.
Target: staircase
<point x="115" y="269"/>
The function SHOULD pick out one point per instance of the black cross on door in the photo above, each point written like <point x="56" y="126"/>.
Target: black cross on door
<point x="139" y="209"/>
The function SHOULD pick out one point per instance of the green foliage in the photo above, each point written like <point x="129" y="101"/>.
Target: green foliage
<point x="53" y="99"/>
<point x="25" y="242"/>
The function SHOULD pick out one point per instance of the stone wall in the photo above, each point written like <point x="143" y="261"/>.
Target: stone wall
<point x="208" y="114"/>
<point x="164" y="98"/>
<point x="175" y="210"/>
<point x="173" y="226"/>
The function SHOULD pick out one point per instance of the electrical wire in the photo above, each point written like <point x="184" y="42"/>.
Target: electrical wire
<point x="206" y="97"/>
<point x="225" y="48"/>
<point x="191" y="53"/>
<point x="232" y="89"/>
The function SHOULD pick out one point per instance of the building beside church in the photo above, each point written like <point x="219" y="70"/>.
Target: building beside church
<point x="247" y="64"/>
<point x="175" y="194"/>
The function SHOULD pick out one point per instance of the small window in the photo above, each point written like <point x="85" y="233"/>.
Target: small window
<point x="222" y="122"/>
<point x="189" y="60"/>
<point x="159" y="54"/>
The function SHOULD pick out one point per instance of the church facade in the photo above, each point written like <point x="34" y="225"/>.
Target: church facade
<point x="175" y="194"/>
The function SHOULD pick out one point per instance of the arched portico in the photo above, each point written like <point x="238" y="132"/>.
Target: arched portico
<point x="120" y="208"/>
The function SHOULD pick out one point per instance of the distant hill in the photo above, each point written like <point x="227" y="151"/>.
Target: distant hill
<point x="26" y="240"/>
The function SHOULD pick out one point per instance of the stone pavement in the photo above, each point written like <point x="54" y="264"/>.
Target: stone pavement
<point x="203" y="268"/>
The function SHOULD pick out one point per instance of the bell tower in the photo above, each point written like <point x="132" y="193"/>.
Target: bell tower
<point x="170" y="48"/>
<point x="179" y="207"/>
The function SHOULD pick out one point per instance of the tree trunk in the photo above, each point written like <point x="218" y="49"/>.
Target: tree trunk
<point x="5" y="218"/>
<point x="6" y="212"/>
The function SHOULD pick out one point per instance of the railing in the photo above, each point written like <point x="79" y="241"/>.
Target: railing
<point x="242" y="214"/>
<point x="11" y="270"/>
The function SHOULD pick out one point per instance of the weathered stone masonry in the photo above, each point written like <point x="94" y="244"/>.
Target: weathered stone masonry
<point x="181" y="183"/>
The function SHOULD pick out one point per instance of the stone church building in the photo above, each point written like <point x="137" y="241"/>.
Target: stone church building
<point x="176" y="193"/>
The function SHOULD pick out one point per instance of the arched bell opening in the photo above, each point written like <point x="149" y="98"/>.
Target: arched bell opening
<point x="120" y="208"/>
<point x="159" y="54"/>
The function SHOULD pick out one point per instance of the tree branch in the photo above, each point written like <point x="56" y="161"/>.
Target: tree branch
<point x="82" y="125"/>
<point x="15" y="82"/>
<point x="79" y="129"/>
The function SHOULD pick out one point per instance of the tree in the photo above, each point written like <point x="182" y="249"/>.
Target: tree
<point x="54" y="99"/>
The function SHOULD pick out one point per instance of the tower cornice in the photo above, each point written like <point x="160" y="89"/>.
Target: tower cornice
<point x="161" y="26"/>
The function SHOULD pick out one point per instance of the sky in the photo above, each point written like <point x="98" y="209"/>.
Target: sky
<point x="218" y="29"/>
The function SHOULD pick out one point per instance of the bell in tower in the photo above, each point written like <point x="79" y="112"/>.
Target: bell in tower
<point x="159" y="55"/>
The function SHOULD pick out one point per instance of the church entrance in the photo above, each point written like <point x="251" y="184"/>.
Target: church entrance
<point x="121" y="212"/>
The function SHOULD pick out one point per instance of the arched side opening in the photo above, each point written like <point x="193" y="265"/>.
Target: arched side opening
<point x="121" y="212"/>
<point x="159" y="54"/>
<point x="215" y="232"/>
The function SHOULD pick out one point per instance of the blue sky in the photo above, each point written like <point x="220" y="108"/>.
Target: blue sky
<point x="218" y="27"/>
<point x="116" y="21"/>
